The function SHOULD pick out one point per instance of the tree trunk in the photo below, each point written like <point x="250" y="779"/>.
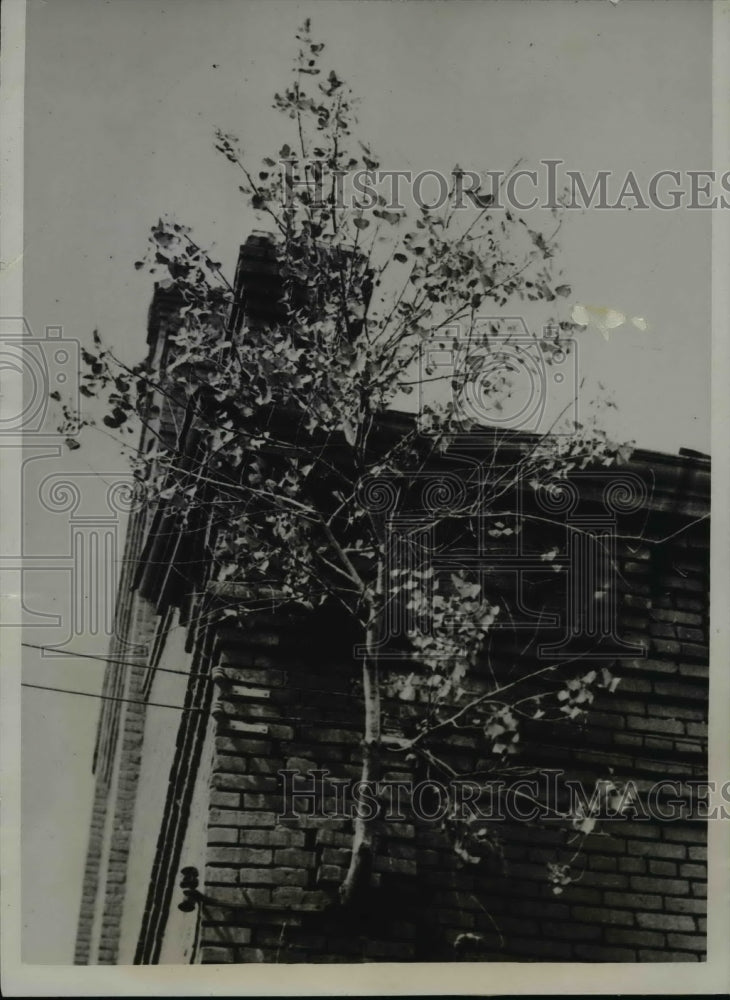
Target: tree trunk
<point x="361" y="859"/>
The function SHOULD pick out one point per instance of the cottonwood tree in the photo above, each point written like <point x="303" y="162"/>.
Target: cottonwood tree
<point x="289" y="417"/>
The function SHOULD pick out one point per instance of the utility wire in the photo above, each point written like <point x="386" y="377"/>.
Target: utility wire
<point x="109" y="697"/>
<point x="107" y="659"/>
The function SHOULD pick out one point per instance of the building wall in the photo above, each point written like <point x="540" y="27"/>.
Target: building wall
<point x="159" y="745"/>
<point x="641" y="896"/>
<point x="116" y="765"/>
<point x="203" y="790"/>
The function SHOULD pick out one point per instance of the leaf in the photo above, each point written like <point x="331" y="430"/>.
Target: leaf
<point x="563" y="290"/>
<point x="360" y="223"/>
<point x="350" y="431"/>
<point x="400" y="257"/>
<point x="72" y="444"/>
<point x="408" y="691"/>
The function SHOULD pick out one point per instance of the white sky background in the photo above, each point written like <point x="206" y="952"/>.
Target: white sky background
<point x="121" y="100"/>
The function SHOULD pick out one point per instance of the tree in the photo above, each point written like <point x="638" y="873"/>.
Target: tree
<point x="292" y="436"/>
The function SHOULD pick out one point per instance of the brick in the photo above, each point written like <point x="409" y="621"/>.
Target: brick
<point x="263" y="765"/>
<point x="334" y="735"/>
<point x="684" y="941"/>
<point x="690" y="604"/>
<point x="635" y="684"/>
<point x="216" y="956"/>
<point x="303" y="900"/>
<point x="634" y="601"/>
<point x="247" y="675"/>
<point x="673" y="689"/>
<point x="236" y="897"/>
<point x="600" y="863"/>
<point x="226" y="817"/>
<point x="395" y="866"/>
<point x="683" y="584"/>
<point x="554" y="911"/>
<point x="655" y="725"/>
<point x="272" y="838"/>
<point x="330" y="873"/>
<point x="667" y="647"/>
<point x="338" y="838"/>
<point x="693" y="635"/>
<point x="336" y="856"/>
<point x="695" y="651"/>
<point x="695" y="670"/>
<point x="679" y="905"/>
<point x="633" y="900"/>
<point x="653" y="849"/>
<point x="663" y="629"/>
<point x="694" y="833"/>
<point x="581" y="894"/>
<point x="240" y="855"/>
<point x="677" y="617"/>
<point x="233" y="935"/>
<point x="242" y="746"/>
<point x="666" y="886"/>
<point x="663" y="868"/>
<point x="666" y="956"/>
<point x="220" y="876"/>
<point x="226" y="763"/>
<point x="240" y="782"/>
<point x="636" y="866"/>
<point x="258" y="783"/>
<point x="273" y="876"/>
<point x="665" y="921"/>
<point x="676" y="712"/>
<point x="649" y="939"/>
<point x="607" y="880"/>
<point x="628" y="739"/>
<point x="281" y="732"/>
<point x="627" y="707"/>
<point x="263" y="800"/>
<point x="295" y="857"/>
<point x="693" y="871"/>
<point x="595" y="915"/>
<point x="228" y="800"/>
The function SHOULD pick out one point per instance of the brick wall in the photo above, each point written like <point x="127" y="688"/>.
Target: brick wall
<point x="641" y="894"/>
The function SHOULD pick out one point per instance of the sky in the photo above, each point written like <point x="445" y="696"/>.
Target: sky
<point x="121" y="99"/>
